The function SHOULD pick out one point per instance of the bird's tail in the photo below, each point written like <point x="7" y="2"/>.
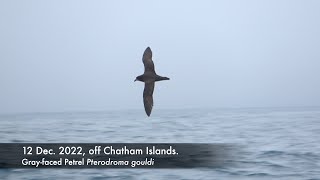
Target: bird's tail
<point x="163" y="78"/>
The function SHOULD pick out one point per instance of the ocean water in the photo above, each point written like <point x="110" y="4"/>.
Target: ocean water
<point x="277" y="143"/>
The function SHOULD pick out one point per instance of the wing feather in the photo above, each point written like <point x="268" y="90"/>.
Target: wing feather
<point x="147" y="60"/>
<point x="147" y="97"/>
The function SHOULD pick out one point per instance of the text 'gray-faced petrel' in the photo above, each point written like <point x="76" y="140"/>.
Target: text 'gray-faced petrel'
<point x="149" y="77"/>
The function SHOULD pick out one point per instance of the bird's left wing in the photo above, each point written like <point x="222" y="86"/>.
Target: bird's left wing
<point x="147" y="97"/>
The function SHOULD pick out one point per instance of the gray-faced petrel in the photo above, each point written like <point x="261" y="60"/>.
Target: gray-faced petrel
<point x="149" y="77"/>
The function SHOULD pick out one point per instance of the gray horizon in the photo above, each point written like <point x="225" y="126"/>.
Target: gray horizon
<point x="59" y="56"/>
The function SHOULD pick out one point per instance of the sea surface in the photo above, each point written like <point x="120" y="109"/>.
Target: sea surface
<point x="277" y="143"/>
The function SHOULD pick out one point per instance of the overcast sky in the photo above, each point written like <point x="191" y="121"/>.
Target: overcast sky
<point x="84" y="55"/>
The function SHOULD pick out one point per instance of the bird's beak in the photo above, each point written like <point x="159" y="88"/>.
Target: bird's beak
<point x="135" y="80"/>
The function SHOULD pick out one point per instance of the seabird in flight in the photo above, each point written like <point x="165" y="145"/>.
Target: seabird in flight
<point x="149" y="77"/>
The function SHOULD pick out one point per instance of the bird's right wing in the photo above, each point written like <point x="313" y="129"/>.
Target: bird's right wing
<point x="147" y="60"/>
<point x="147" y="97"/>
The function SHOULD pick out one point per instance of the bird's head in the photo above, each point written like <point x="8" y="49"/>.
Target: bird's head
<point x="139" y="78"/>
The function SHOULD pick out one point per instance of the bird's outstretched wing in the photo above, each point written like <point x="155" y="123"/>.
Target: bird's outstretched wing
<point x="147" y="60"/>
<point x="147" y="97"/>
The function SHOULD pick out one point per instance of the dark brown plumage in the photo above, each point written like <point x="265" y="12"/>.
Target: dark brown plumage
<point x="149" y="77"/>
